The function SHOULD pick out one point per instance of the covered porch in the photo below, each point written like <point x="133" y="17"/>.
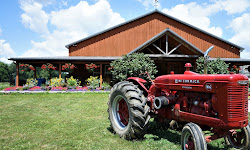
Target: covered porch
<point x="81" y="73"/>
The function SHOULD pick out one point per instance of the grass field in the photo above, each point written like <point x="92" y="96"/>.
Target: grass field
<point x="71" y="121"/>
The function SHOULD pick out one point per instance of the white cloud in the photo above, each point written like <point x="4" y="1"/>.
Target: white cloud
<point x="150" y="4"/>
<point x="245" y="54"/>
<point x="5" y="60"/>
<point x="196" y="15"/>
<point x="241" y="28"/>
<point x="5" y="51"/>
<point x="86" y="18"/>
<point x="72" y="24"/>
<point x="34" y="17"/>
<point x="232" y="6"/>
<point x="54" y="44"/>
<point x="5" y="48"/>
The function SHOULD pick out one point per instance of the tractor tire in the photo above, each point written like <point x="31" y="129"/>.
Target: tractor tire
<point x="240" y="140"/>
<point x="193" y="138"/>
<point x="128" y="111"/>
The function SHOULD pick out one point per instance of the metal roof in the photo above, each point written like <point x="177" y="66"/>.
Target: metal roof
<point x="155" y="11"/>
<point x="65" y="58"/>
<point x="152" y="40"/>
<point x="241" y="60"/>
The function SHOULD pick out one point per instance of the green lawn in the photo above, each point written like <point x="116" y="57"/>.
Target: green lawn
<point x="71" y="121"/>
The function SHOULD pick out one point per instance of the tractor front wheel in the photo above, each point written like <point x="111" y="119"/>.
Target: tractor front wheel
<point x="128" y="111"/>
<point x="192" y="138"/>
<point x="239" y="139"/>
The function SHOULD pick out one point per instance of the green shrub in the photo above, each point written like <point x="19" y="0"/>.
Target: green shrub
<point x="132" y="66"/>
<point x="73" y="82"/>
<point x="93" y="82"/>
<point x="26" y="87"/>
<point x="55" y="82"/>
<point x="105" y="86"/>
<point x="217" y="66"/>
<point x="31" y="82"/>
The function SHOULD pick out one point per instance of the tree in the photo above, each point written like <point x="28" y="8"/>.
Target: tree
<point x="12" y="73"/>
<point x="217" y="66"/>
<point x="4" y="72"/>
<point x="132" y="66"/>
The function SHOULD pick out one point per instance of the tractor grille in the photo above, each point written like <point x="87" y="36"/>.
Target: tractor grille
<point x="237" y="101"/>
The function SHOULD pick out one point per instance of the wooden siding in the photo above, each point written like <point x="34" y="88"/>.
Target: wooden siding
<point x="126" y="38"/>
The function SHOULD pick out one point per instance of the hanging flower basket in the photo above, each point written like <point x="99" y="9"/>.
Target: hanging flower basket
<point x="26" y="67"/>
<point x="91" y="67"/>
<point x="68" y="67"/>
<point x="48" y="66"/>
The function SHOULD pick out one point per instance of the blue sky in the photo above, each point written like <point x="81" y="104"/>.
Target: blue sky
<point x="44" y="27"/>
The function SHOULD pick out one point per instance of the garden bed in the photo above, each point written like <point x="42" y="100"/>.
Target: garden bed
<point x="67" y="91"/>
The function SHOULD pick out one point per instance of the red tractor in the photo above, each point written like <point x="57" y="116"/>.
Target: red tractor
<point x="216" y="103"/>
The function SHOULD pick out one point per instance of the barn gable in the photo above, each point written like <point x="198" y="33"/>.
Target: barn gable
<point x="160" y="44"/>
<point x="127" y="37"/>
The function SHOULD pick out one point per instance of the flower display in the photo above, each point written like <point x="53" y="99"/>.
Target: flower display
<point x="91" y="67"/>
<point x="15" y="88"/>
<point x="110" y="68"/>
<point x="58" y="88"/>
<point x="235" y="69"/>
<point x="73" y="82"/>
<point x="26" y="67"/>
<point x="93" y="82"/>
<point x="68" y="67"/>
<point x="35" y="88"/>
<point x="31" y="82"/>
<point x="48" y="66"/>
<point x="56" y="82"/>
<point x="85" y="88"/>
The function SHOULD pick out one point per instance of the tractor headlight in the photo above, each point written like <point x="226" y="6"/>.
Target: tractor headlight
<point x="242" y="82"/>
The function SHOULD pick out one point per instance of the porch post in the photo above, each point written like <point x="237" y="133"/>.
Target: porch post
<point x="60" y="70"/>
<point x="17" y="73"/>
<point x="100" y="75"/>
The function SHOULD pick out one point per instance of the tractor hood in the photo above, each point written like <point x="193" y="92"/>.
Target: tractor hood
<point x="191" y="80"/>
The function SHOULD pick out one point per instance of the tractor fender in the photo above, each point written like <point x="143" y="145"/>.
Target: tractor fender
<point x="139" y="82"/>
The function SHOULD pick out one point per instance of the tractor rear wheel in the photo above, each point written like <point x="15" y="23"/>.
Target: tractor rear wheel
<point x="192" y="138"/>
<point x="239" y="139"/>
<point x="128" y="111"/>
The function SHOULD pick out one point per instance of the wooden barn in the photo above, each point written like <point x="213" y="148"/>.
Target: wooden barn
<point x="169" y="41"/>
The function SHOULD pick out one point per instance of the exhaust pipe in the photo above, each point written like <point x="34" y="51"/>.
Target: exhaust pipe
<point x="206" y="58"/>
<point x="160" y="101"/>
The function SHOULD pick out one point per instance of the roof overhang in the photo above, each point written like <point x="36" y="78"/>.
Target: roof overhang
<point x="237" y="61"/>
<point x="63" y="59"/>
